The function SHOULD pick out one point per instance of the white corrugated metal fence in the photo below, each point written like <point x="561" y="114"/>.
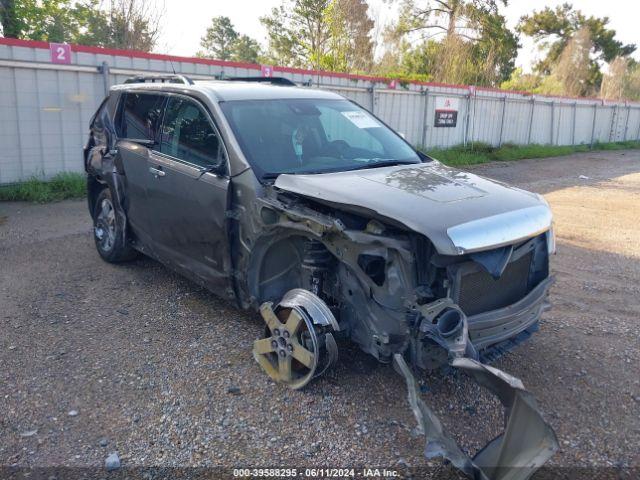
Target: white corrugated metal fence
<point x="45" y="107"/>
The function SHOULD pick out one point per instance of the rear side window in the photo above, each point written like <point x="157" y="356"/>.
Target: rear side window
<point x="187" y="134"/>
<point x="140" y="116"/>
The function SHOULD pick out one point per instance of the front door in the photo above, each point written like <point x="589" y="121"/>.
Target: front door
<point x="187" y="194"/>
<point x="139" y="118"/>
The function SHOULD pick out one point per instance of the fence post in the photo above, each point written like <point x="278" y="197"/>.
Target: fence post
<point x="638" y="135"/>
<point x="573" y="123"/>
<point x="626" y="122"/>
<point x="553" y="119"/>
<point x="425" y="112"/>
<point x="467" y="117"/>
<point x="613" y="119"/>
<point x="593" y="124"/>
<point x="472" y="119"/>
<point x="504" y="106"/>
<point x="372" y="90"/>
<point x="104" y="70"/>
<point x="533" y="107"/>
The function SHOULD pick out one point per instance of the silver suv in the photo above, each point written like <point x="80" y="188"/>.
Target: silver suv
<point x="301" y="204"/>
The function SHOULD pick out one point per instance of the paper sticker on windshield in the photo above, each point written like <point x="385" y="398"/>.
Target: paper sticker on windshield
<point x="361" y="119"/>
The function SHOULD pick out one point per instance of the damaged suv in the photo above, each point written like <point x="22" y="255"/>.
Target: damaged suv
<point x="301" y="204"/>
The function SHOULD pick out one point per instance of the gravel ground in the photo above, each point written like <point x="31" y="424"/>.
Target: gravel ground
<point x="133" y="359"/>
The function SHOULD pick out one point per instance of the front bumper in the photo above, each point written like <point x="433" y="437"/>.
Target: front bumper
<point x="490" y="328"/>
<point x="527" y="441"/>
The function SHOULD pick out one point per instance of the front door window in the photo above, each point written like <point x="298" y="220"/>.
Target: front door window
<point x="188" y="135"/>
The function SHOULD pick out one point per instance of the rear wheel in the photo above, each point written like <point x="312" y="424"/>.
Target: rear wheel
<point x="109" y="234"/>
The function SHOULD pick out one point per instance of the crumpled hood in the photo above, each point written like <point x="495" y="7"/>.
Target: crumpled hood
<point x="458" y="211"/>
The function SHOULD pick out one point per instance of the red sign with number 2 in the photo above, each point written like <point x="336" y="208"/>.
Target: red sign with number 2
<point x="60" y="52"/>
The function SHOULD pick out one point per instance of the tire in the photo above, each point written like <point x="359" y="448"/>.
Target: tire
<point x="111" y="242"/>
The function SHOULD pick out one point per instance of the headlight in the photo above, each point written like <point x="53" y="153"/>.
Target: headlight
<point x="551" y="240"/>
<point x="551" y="234"/>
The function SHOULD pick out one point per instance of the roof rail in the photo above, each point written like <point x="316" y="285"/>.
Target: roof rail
<point x="171" y="78"/>
<point x="272" y="80"/>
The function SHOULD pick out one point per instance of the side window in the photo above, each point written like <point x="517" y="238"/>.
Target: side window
<point x="140" y="116"/>
<point x="187" y="134"/>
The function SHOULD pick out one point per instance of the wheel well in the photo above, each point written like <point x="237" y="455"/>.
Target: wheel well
<point x="275" y="267"/>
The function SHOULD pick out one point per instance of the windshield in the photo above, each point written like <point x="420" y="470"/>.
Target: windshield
<point x="312" y="136"/>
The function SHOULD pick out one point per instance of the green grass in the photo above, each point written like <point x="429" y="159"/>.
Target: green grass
<point x="482" y="153"/>
<point x="62" y="186"/>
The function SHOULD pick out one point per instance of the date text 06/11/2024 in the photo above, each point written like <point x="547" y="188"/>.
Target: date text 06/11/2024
<point x="315" y="473"/>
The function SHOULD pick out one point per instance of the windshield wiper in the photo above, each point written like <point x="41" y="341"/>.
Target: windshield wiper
<point x="364" y="166"/>
<point x="382" y="163"/>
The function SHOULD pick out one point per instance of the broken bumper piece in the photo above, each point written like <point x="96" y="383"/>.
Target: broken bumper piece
<point x="525" y="445"/>
<point x="527" y="441"/>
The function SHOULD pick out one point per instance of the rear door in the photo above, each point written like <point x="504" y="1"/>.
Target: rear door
<point x="187" y="193"/>
<point x="138" y="120"/>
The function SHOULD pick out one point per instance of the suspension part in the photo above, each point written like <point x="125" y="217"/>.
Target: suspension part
<point x="316" y="262"/>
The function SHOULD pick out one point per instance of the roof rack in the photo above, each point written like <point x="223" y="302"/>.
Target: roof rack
<point x="272" y="80"/>
<point x="160" y="79"/>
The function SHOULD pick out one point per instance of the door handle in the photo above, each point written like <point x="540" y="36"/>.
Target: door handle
<point x="157" y="172"/>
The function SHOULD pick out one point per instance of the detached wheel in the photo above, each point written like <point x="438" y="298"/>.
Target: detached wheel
<point x="289" y="352"/>
<point x="108" y="232"/>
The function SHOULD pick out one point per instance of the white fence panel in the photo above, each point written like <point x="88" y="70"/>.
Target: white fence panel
<point x="541" y="123"/>
<point x="584" y="124"/>
<point x="633" y="128"/>
<point x="402" y="110"/>
<point x="362" y="97"/>
<point x="515" y="125"/>
<point x="445" y="136"/>
<point x="45" y="108"/>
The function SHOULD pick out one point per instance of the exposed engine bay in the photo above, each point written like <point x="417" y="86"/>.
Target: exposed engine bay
<point x="317" y="273"/>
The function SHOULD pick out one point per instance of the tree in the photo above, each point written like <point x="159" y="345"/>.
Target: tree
<point x="350" y="47"/>
<point x="48" y="20"/>
<point x="573" y="72"/>
<point x="553" y="28"/>
<point x="614" y="82"/>
<point x="523" y="82"/>
<point x="432" y="18"/>
<point x="125" y="24"/>
<point x="328" y="34"/>
<point x="458" y="41"/>
<point x="223" y="42"/>
<point x="632" y="87"/>
<point x="219" y="39"/>
<point x="297" y="32"/>
<point x="10" y="19"/>
<point x="495" y="50"/>
<point x="622" y="80"/>
<point x="245" y="49"/>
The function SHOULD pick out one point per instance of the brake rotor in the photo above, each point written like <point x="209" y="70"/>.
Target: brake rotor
<point x="290" y="351"/>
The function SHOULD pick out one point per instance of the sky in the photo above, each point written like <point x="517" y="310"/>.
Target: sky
<point x="186" y="21"/>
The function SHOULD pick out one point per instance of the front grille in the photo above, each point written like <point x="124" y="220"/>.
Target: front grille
<point x="479" y="292"/>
